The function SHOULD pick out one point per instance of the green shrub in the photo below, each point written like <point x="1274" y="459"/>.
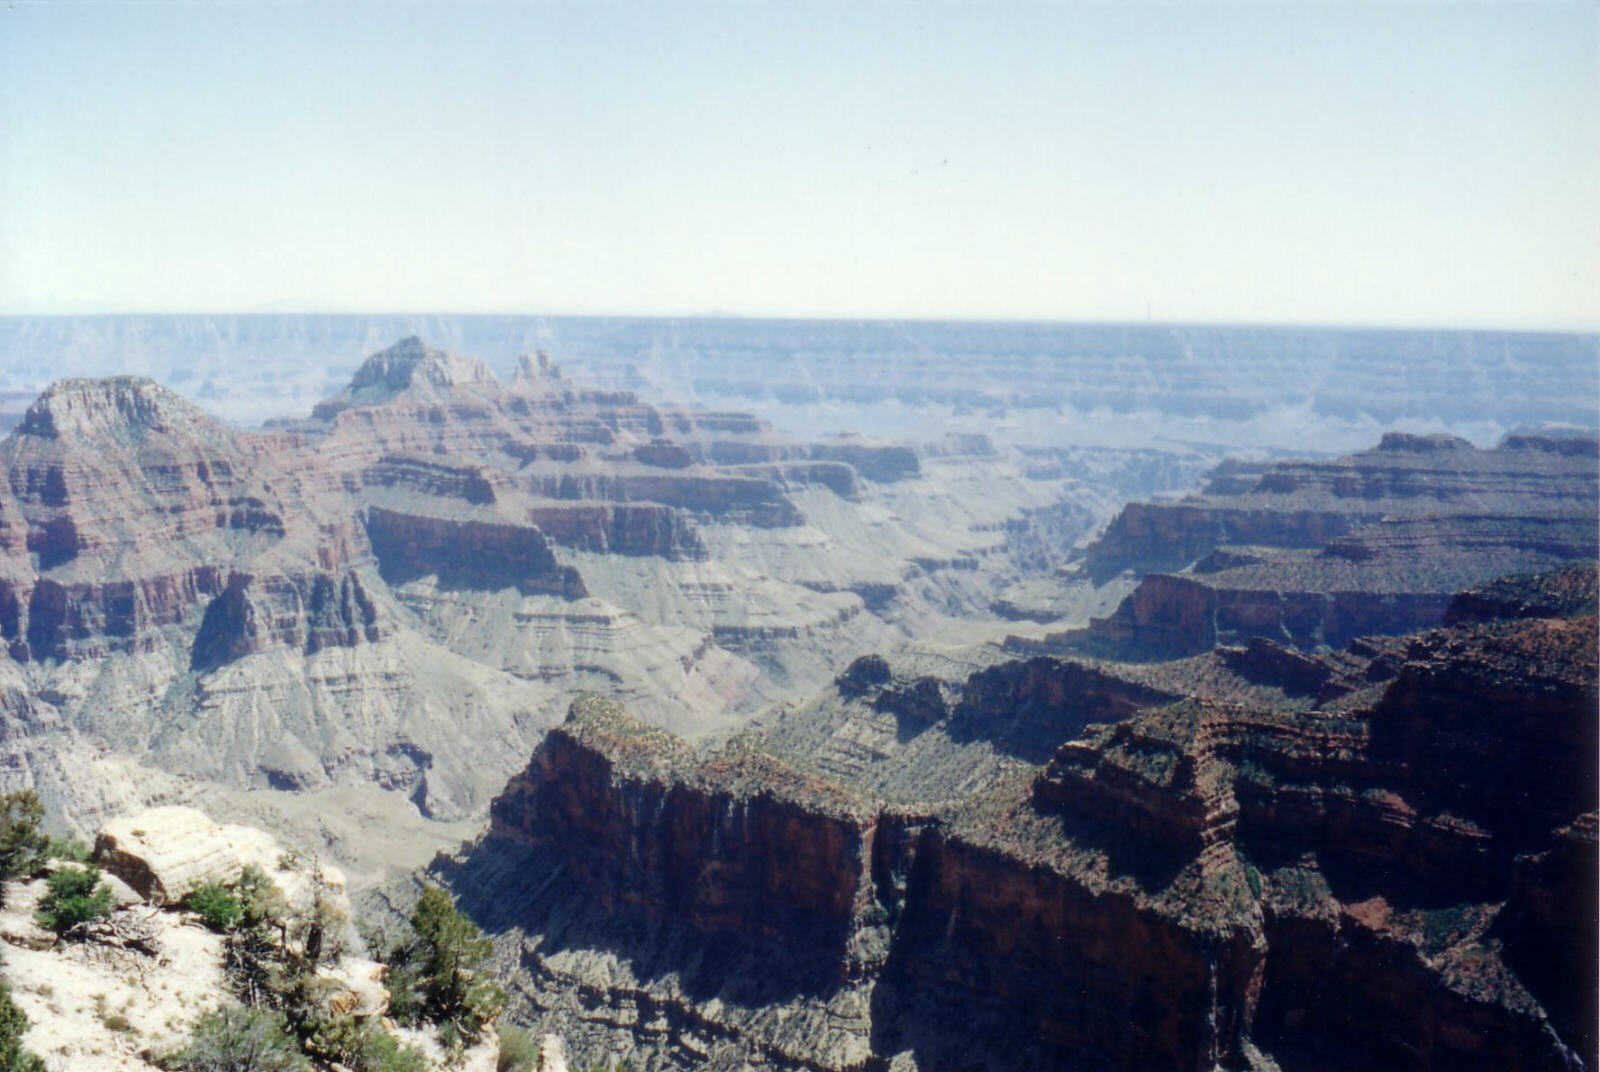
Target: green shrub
<point x="382" y="1052"/>
<point x="357" y="1045"/>
<point x="66" y="848"/>
<point x="240" y="1039"/>
<point x="518" y="1051"/>
<point x="216" y="906"/>
<point x="405" y="994"/>
<point x="13" y="1023"/>
<point x="74" y="895"/>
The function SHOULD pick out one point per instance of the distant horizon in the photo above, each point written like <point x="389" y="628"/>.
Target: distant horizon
<point x="1589" y="329"/>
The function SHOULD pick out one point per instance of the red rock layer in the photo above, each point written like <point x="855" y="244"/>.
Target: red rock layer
<point x="1398" y="875"/>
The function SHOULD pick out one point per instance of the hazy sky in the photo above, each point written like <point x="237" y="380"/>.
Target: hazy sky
<point x="1295" y="163"/>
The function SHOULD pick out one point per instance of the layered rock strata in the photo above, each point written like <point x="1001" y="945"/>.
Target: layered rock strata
<point x="1316" y="554"/>
<point x="403" y="587"/>
<point x="1382" y="865"/>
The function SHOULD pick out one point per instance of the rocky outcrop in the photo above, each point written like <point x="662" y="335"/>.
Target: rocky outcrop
<point x="883" y="463"/>
<point x="1169" y="616"/>
<point x="64" y="621"/>
<point x="473" y="484"/>
<point x="305" y="613"/>
<point x="471" y="554"/>
<point x="1548" y="926"/>
<point x="619" y="528"/>
<point x="736" y="844"/>
<point x="837" y="477"/>
<point x="408" y="367"/>
<point x="1383" y="840"/>
<point x="664" y="454"/>
<point x="1561" y="593"/>
<point x="163" y="853"/>
<point x="1029" y="707"/>
<point x="710" y="496"/>
<point x="755" y="856"/>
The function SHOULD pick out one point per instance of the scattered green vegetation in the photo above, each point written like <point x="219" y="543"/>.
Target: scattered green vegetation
<point x="518" y="1051"/>
<point x="22" y="843"/>
<point x="1253" y="877"/>
<point x="381" y="1052"/>
<point x="216" y="905"/>
<point x="73" y="895"/>
<point x="272" y="954"/>
<point x="361" y="1046"/>
<point x="13" y="1024"/>
<point x="68" y="848"/>
<point x="241" y="1039"/>
<point x="437" y="975"/>
<point x="438" y="971"/>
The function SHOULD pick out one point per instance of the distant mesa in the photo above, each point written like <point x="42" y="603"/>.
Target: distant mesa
<point x="1422" y="444"/>
<point x="90" y="408"/>
<point x="409" y="367"/>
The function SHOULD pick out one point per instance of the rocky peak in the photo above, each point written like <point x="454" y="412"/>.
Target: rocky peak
<point x="124" y="407"/>
<point x="411" y="368"/>
<point x="536" y="368"/>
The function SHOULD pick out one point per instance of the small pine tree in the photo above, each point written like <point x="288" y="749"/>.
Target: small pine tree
<point x="22" y="842"/>
<point x="253" y="954"/>
<point x="317" y="935"/>
<point x="74" y="895"/>
<point x="451" y="957"/>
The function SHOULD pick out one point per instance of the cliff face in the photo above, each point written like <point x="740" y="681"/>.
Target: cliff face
<point x="1386" y="865"/>
<point x="1317" y="554"/>
<point x="740" y="845"/>
<point x="1308" y="504"/>
<point x="1173" y="615"/>
<point x="619" y="528"/>
<point x="473" y="554"/>
<point x="125" y="504"/>
<point x="306" y="613"/>
<point x="861" y="904"/>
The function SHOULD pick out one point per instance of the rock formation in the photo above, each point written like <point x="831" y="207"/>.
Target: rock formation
<point x="1252" y="858"/>
<point x="1316" y="554"/>
<point x="404" y="587"/>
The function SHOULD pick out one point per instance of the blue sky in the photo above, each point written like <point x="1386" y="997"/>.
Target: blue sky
<point x="1376" y="164"/>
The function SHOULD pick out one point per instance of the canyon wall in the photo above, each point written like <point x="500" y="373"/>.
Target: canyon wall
<point x="1374" y="870"/>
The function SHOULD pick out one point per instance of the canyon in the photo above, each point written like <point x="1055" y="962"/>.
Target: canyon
<point x="1180" y="836"/>
<point x="1251" y="858"/>
<point x="399" y="591"/>
<point x="758" y="750"/>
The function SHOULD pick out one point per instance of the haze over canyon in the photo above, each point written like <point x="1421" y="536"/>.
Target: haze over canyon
<point x="837" y="695"/>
